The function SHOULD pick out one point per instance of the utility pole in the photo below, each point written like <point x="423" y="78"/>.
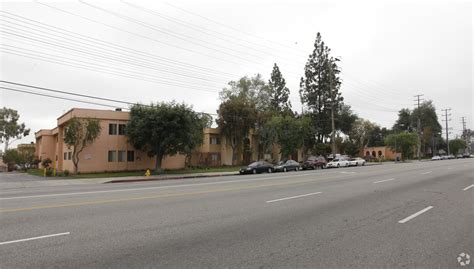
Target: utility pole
<point x="418" y="100"/>
<point x="447" y="128"/>
<point x="464" y="133"/>
<point x="333" y="134"/>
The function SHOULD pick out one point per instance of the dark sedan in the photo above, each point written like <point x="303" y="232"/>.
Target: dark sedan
<point x="285" y="166"/>
<point x="257" y="167"/>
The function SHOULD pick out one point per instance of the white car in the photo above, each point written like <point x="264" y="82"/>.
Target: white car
<point x="336" y="163"/>
<point x="436" y="158"/>
<point x="356" y="161"/>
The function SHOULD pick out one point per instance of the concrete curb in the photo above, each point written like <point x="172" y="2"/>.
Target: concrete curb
<point x="166" y="178"/>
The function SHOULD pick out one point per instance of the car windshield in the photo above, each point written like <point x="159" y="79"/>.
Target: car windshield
<point x="254" y="164"/>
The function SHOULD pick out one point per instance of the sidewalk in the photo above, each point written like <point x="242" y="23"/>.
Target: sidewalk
<point x="23" y="180"/>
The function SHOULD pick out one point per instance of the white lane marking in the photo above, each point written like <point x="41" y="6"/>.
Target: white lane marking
<point x="425" y="173"/>
<point x="33" y="238"/>
<point x="415" y="215"/>
<point x="385" y="180"/>
<point x="347" y="172"/>
<point x="468" y="187"/>
<point x="449" y="168"/>
<point x="160" y="187"/>
<point x="293" y="197"/>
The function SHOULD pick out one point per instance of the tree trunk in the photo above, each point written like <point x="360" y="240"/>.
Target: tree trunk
<point x="159" y="158"/>
<point x="6" y="144"/>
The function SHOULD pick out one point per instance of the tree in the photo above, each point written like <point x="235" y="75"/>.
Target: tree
<point x="456" y="145"/>
<point x="361" y="133"/>
<point x="289" y="133"/>
<point x="345" y="119"/>
<point x="10" y="128"/>
<point x="164" y="129"/>
<point x="80" y="133"/>
<point x="279" y="93"/>
<point x="319" y="88"/>
<point x="404" y="121"/>
<point x="27" y="158"/>
<point x="10" y="158"/>
<point x="402" y="142"/>
<point x="236" y="116"/>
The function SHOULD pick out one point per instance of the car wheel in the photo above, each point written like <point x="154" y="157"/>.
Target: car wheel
<point x="363" y="163"/>
<point x="297" y="169"/>
<point x="338" y="165"/>
<point x="357" y="164"/>
<point x="284" y="169"/>
<point x="270" y="170"/>
<point x="254" y="171"/>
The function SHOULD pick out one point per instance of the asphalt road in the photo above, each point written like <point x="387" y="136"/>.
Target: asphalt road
<point x="388" y="216"/>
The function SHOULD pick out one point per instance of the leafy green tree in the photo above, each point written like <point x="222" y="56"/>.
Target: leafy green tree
<point x="360" y="133"/>
<point x="80" y="133"/>
<point x="402" y="142"/>
<point x="246" y="104"/>
<point x="279" y="93"/>
<point x="27" y="158"/>
<point x="457" y="145"/>
<point x="164" y="129"/>
<point x="345" y="119"/>
<point x="289" y="134"/>
<point x="10" y="128"/>
<point x="377" y="136"/>
<point x="404" y="122"/>
<point x="10" y="158"/>
<point x="236" y="116"/>
<point x="319" y="88"/>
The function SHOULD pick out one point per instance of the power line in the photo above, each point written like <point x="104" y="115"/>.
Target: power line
<point x="58" y="97"/>
<point x="74" y="94"/>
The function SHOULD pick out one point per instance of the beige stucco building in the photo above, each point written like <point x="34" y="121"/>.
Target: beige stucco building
<point x="111" y="151"/>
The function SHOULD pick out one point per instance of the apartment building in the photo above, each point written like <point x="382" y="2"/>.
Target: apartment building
<point x="109" y="152"/>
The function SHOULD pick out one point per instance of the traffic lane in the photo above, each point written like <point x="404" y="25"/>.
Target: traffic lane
<point x="276" y="190"/>
<point x="190" y="183"/>
<point x="55" y="200"/>
<point x="98" y="187"/>
<point x="187" y="223"/>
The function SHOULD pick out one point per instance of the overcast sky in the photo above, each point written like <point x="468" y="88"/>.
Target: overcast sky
<point x="188" y="51"/>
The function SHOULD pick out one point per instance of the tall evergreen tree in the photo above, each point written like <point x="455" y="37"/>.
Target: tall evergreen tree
<point x="279" y="93"/>
<point x="319" y="88"/>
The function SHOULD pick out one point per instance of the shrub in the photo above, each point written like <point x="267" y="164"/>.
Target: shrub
<point x="49" y="172"/>
<point x="46" y="162"/>
<point x="66" y="173"/>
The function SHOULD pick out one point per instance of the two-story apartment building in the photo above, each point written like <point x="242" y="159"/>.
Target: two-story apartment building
<point x="109" y="152"/>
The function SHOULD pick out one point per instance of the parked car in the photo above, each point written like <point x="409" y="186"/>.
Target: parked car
<point x="356" y="161"/>
<point x="436" y="158"/>
<point x="444" y="157"/>
<point x="257" y="167"/>
<point x="285" y="166"/>
<point x="451" y="156"/>
<point x="338" y="163"/>
<point x="459" y="156"/>
<point x="314" y="162"/>
<point x="466" y="155"/>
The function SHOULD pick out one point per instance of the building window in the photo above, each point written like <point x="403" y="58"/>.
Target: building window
<point x="214" y="157"/>
<point x="121" y="129"/>
<point x="112" y="155"/>
<point x="121" y="155"/>
<point x="65" y="155"/>
<point x="214" y="140"/>
<point x="112" y="129"/>
<point x="69" y="155"/>
<point x="130" y="156"/>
